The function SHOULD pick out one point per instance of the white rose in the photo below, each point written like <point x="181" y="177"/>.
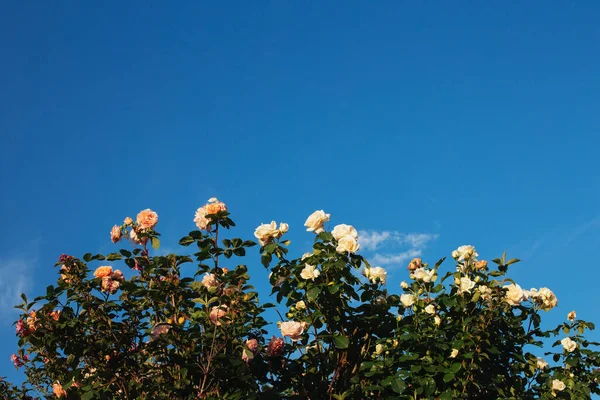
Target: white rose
<point x="572" y="315"/>
<point x="344" y="230"/>
<point x="379" y="349"/>
<point x="430" y="309"/>
<point x="209" y="280"/>
<point x="292" y="329"/>
<point x="306" y="255"/>
<point x="376" y="273"/>
<point x="568" y="344"/>
<point x="437" y="320"/>
<point x="404" y="285"/>
<point x="347" y="243"/>
<point x="486" y="292"/>
<point x="407" y="300"/>
<point x="316" y="220"/>
<point x="283" y="228"/>
<point x="546" y="299"/>
<point x="465" y="285"/>
<point x="310" y="272"/>
<point x="420" y="274"/>
<point x="558" y="385"/>
<point x="540" y="363"/>
<point x="266" y="232"/>
<point x="514" y="294"/>
<point x="454" y="353"/>
<point x="464" y="253"/>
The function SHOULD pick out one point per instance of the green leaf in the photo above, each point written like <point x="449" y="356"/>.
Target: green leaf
<point x="312" y="293"/>
<point x="448" y="377"/>
<point x="155" y="243"/>
<point x="512" y="261"/>
<point x="398" y="385"/>
<point x="125" y="252"/>
<point x="87" y="257"/>
<point x="186" y="240"/>
<point x="341" y="342"/>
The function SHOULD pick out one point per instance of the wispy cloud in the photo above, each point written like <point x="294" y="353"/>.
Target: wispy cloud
<point x="401" y="258"/>
<point x="372" y="240"/>
<point x="14" y="280"/>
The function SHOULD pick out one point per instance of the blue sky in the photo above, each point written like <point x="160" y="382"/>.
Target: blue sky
<point x="463" y="122"/>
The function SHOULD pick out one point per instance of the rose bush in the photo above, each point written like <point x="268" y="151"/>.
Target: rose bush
<point x="155" y="333"/>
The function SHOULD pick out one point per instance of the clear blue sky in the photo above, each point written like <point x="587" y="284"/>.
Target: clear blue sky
<point x="465" y="122"/>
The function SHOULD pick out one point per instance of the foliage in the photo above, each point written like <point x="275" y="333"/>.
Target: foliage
<point x="468" y="334"/>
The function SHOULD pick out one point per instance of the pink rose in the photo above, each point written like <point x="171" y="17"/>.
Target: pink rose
<point x="134" y="237"/>
<point x="147" y="219"/>
<point x="252" y="345"/>
<point x="275" y="347"/>
<point x="292" y="329"/>
<point x="209" y="280"/>
<point x="217" y="313"/>
<point x="200" y="218"/>
<point x="117" y="276"/>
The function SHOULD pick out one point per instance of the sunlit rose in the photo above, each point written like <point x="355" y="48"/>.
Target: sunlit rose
<point x="115" y="234"/>
<point x="464" y="253"/>
<point x="375" y="274"/>
<point x="568" y="344"/>
<point x="265" y="233"/>
<point x="572" y="315"/>
<point x="292" y="329"/>
<point x="422" y="275"/>
<point x="339" y="231"/>
<point x="404" y="285"/>
<point x="136" y="239"/>
<point x="414" y="264"/>
<point x="300" y="305"/>
<point x="407" y="300"/>
<point x="103" y="271"/>
<point x="209" y="280"/>
<point x="275" y="347"/>
<point x="128" y="221"/>
<point x="430" y="309"/>
<point x="347" y="244"/>
<point x="481" y="264"/>
<point x="540" y="363"/>
<point x="58" y="390"/>
<point x="558" y="385"/>
<point x="200" y="218"/>
<point x="147" y="219"/>
<point x="453" y="353"/>
<point x="217" y="314"/>
<point x="315" y="221"/>
<point x="310" y="272"/>
<point x="514" y="294"/>
<point x="465" y="285"/>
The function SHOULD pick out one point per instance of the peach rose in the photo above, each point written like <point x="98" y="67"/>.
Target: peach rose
<point x="252" y="345"/>
<point x="481" y="264"/>
<point x="115" y="234"/>
<point x="292" y="329"/>
<point x="110" y="286"/>
<point x="117" y="276"/>
<point x="55" y="315"/>
<point x="347" y="243"/>
<point x="147" y="219"/>
<point x="217" y="313"/>
<point x="64" y="270"/>
<point x="128" y="221"/>
<point x="315" y="221"/>
<point x="210" y="280"/>
<point x="341" y="230"/>
<point x="136" y="239"/>
<point x="415" y="263"/>
<point x="217" y="206"/>
<point x="58" y="390"/>
<point x="200" y="218"/>
<point x="101" y="272"/>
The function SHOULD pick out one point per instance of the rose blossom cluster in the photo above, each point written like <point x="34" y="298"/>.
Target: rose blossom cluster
<point x="266" y="233"/>
<point x="347" y="238"/>
<point x="18" y="361"/>
<point x="212" y="207"/>
<point x="146" y="221"/>
<point x="375" y="274"/>
<point x="111" y="280"/>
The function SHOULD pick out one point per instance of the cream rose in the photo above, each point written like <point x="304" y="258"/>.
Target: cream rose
<point x="128" y="221"/>
<point x="464" y="253"/>
<point x="300" y="305"/>
<point x="379" y="349"/>
<point x="558" y="385"/>
<point x="209" y="280"/>
<point x="58" y="390"/>
<point x="420" y="274"/>
<point x="292" y="329"/>
<point x="437" y="320"/>
<point x="147" y="219"/>
<point x="339" y="231"/>
<point x="430" y="309"/>
<point x="265" y="233"/>
<point x="136" y="239"/>
<point x="540" y="363"/>
<point x="315" y="221"/>
<point x="568" y="344"/>
<point x="546" y="299"/>
<point x="407" y="300"/>
<point x="217" y="313"/>
<point x="310" y="272"/>
<point x="404" y="285"/>
<point x="514" y="295"/>
<point x="376" y="273"/>
<point x="347" y="244"/>
<point x="465" y="285"/>
<point x="200" y="218"/>
<point x="453" y="353"/>
<point x="572" y="315"/>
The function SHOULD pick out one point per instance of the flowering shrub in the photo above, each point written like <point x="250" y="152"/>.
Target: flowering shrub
<point x="468" y="333"/>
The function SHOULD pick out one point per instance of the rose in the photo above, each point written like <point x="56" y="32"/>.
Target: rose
<point x="300" y="305"/>
<point x="545" y="298"/>
<point x="485" y="292"/>
<point x="465" y="285"/>
<point x="64" y="271"/>
<point x="437" y="320"/>
<point x="339" y="231"/>
<point x="58" y="390"/>
<point x="115" y="234"/>
<point x="292" y="329"/>
<point x="464" y="253"/>
<point x="136" y="239"/>
<point x="430" y="309"/>
<point x="109" y="285"/>
<point x="217" y="313"/>
<point x="481" y="264"/>
<point x="283" y="228"/>
<point x="514" y="294"/>
<point x="347" y="244"/>
<point x="117" y="276"/>
<point x="379" y="349"/>
<point x="209" y="280"/>
<point x="159" y="329"/>
<point x="376" y="274"/>
<point x="414" y="264"/>
<point x="540" y="363"/>
<point x="128" y="221"/>
<point x="200" y="218"/>
<point x="214" y="206"/>
<point x="572" y="315"/>
<point x="310" y="272"/>
<point x="147" y="219"/>
<point x="454" y="353"/>
<point x="568" y="344"/>
<point x="558" y="385"/>
<point x="103" y="271"/>
<point x="266" y="232"/>
<point x="275" y="347"/>
<point x="252" y="345"/>
<point x="407" y="300"/>
<point x="420" y="274"/>
<point x="316" y="220"/>
<point x="404" y="285"/>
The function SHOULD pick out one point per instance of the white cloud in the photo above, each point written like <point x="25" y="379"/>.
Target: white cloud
<point x="371" y="240"/>
<point x="14" y="280"/>
<point x="401" y="258"/>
